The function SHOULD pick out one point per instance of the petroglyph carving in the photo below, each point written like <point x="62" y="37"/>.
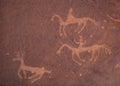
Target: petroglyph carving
<point x="94" y="50"/>
<point x="114" y="19"/>
<point x="37" y="72"/>
<point x="72" y="20"/>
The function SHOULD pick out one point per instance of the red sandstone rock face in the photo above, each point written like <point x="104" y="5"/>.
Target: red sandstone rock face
<point x="27" y="26"/>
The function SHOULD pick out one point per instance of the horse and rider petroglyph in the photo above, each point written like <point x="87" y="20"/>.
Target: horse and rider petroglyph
<point x="94" y="50"/>
<point x="73" y="20"/>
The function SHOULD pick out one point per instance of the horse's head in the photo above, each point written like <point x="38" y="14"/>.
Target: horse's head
<point x="56" y="16"/>
<point x="53" y="17"/>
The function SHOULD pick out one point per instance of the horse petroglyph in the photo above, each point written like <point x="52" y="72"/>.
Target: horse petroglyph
<point x="94" y="50"/>
<point x="37" y="72"/>
<point x="73" y="20"/>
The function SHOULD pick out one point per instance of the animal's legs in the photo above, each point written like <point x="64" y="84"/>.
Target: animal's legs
<point x="77" y="27"/>
<point x="33" y="76"/>
<point x="96" y="55"/>
<point x="76" y="61"/>
<point x="107" y="50"/>
<point x="92" y="56"/>
<point x="37" y="78"/>
<point x="73" y="58"/>
<point x="78" y="55"/>
<point x="83" y="27"/>
<point x="65" y="34"/>
<point x="19" y="74"/>
<point x="25" y="76"/>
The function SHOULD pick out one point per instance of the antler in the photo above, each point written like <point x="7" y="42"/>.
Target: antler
<point x="19" y="55"/>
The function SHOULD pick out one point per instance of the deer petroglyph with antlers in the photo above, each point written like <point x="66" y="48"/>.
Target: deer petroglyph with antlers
<point x="37" y="72"/>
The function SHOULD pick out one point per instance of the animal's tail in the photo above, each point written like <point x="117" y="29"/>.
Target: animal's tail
<point x="114" y="19"/>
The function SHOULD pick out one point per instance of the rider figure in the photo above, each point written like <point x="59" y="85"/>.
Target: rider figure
<point x="70" y="15"/>
<point x="81" y="41"/>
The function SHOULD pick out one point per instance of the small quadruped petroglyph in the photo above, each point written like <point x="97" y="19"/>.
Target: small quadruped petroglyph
<point x="37" y="72"/>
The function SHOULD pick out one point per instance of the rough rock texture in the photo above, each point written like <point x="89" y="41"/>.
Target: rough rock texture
<point x="26" y="25"/>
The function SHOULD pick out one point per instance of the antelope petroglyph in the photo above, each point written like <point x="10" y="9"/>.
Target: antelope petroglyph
<point x="72" y="20"/>
<point x="94" y="50"/>
<point x="37" y="72"/>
